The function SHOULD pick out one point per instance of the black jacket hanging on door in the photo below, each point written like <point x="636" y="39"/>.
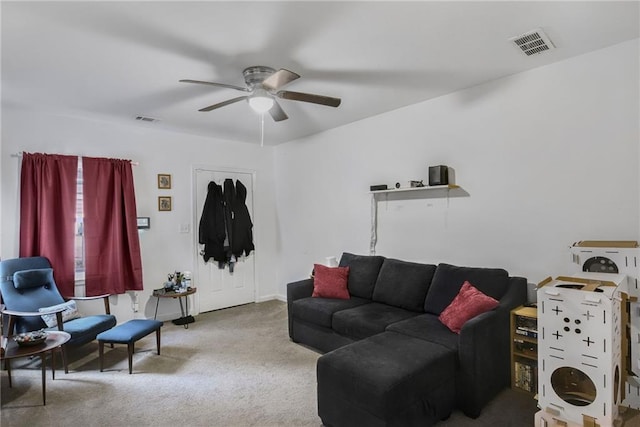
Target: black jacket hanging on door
<point x="212" y="229"/>
<point x="226" y="230"/>
<point x="229" y="201"/>
<point x="242" y="225"/>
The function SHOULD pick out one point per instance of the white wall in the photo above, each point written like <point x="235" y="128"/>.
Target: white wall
<point x="545" y="158"/>
<point x="164" y="248"/>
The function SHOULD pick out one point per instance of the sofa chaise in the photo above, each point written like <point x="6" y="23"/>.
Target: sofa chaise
<point x="389" y="358"/>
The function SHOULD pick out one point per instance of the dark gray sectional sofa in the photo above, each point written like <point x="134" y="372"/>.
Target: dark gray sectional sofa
<point x="389" y="360"/>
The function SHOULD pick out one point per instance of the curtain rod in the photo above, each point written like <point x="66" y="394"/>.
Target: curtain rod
<point x="19" y="155"/>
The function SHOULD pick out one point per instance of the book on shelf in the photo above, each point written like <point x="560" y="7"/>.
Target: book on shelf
<point x="527" y="323"/>
<point x="525" y="347"/>
<point x="526" y="376"/>
<point x="527" y="332"/>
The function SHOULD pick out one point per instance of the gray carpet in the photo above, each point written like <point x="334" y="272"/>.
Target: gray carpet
<point x="233" y="367"/>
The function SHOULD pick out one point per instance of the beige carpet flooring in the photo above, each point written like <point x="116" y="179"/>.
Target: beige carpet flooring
<point x="232" y="367"/>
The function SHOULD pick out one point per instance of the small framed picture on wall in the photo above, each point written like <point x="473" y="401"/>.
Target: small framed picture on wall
<point x="144" y="222"/>
<point x="164" y="181"/>
<point x="164" y="203"/>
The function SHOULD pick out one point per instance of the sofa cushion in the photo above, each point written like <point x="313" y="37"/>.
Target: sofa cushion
<point x="319" y="311"/>
<point x="330" y="282"/>
<point x="367" y="320"/>
<point x="85" y="329"/>
<point x="403" y="284"/>
<point x="429" y="328"/>
<point x="363" y="272"/>
<point x="469" y="303"/>
<point x="448" y="280"/>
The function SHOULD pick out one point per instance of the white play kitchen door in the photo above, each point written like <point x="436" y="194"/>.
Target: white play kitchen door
<point x="219" y="288"/>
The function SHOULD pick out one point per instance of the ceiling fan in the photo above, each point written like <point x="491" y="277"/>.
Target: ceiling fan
<point x="263" y="87"/>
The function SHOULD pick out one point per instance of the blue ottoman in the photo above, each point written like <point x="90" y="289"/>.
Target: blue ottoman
<point x="128" y="333"/>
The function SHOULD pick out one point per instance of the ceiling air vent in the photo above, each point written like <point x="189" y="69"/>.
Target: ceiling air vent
<point x="533" y="42"/>
<point x="147" y="119"/>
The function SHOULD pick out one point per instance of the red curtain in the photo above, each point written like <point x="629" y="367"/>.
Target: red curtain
<point x="112" y="249"/>
<point x="47" y="213"/>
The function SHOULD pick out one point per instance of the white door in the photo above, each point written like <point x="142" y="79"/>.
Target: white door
<point x="219" y="288"/>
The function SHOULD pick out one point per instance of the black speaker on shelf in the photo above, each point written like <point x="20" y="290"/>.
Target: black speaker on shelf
<point x="438" y="175"/>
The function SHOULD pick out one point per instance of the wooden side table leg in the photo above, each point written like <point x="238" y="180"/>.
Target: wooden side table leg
<point x="7" y="365"/>
<point x="184" y="316"/>
<point x="158" y="340"/>
<point x="44" y="377"/>
<point x="53" y="363"/>
<point x="64" y="358"/>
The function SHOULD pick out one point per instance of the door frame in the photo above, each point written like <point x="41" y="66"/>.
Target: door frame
<point x="196" y="220"/>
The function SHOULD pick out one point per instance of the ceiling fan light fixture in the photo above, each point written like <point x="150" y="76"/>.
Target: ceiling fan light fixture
<point x="263" y="86"/>
<point x="261" y="101"/>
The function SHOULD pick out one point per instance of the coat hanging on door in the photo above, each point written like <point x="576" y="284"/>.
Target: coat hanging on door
<point x="226" y="230"/>
<point x="212" y="230"/>
<point x="242" y="241"/>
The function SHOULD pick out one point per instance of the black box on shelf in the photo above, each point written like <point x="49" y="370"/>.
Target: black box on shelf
<point x="378" y="187"/>
<point x="438" y="175"/>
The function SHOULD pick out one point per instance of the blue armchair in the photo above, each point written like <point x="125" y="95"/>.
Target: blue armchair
<point x="27" y="286"/>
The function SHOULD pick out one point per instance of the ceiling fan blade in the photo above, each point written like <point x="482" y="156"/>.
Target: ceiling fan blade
<point x="277" y="113"/>
<point x="244" y="89"/>
<point x="278" y="79"/>
<point x="309" y="97"/>
<point x="224" y="103"/>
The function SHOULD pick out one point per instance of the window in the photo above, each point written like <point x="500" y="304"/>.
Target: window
<point x="79" y="227"/>
<point x="79" y="252"/>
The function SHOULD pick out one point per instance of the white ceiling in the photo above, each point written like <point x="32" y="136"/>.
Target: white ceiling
<point x="117" y="60"/>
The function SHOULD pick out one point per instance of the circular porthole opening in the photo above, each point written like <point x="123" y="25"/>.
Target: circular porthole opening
<point x="600" y="264"/>
<point x="573" y="386"/>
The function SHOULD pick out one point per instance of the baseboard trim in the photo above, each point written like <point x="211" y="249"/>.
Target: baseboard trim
<point x="272" y="297"/>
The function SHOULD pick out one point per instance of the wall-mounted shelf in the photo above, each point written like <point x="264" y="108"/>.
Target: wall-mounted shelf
<point x="374" y="206"/>
<point x="425" y="188"/>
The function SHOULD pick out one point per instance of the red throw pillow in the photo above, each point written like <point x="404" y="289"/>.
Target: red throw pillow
<point x="469" y="303"/>
<point x="330" y="282"/>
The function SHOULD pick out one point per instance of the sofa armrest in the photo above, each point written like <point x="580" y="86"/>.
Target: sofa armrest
<point x="484" y="351"/>
<point x="480" y="370"/>
<point x="516" y="294"/>
<point x="297" y="290"/>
